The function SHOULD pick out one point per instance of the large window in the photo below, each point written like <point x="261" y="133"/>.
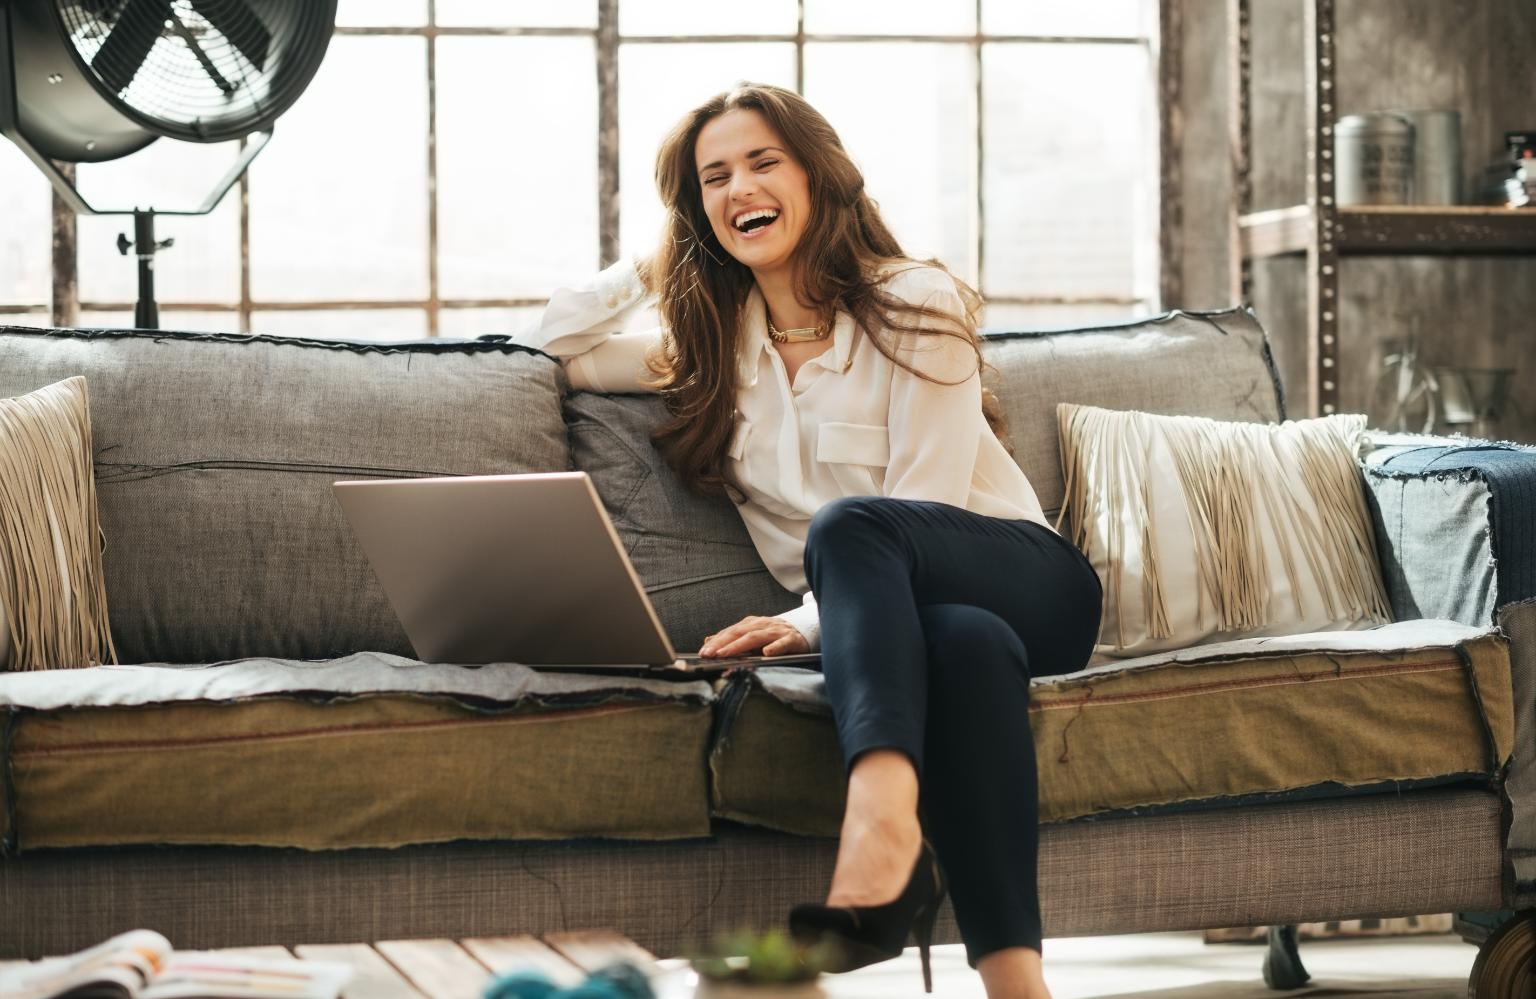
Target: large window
<point x="454" y="161"/>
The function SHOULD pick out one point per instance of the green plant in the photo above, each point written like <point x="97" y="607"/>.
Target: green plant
<point x="760" y="958"/>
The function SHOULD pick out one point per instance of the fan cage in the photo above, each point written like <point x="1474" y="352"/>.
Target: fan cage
<point x="164" y="71"/>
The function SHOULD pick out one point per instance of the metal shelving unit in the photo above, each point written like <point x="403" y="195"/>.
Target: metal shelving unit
<point x="1322" y="229"/>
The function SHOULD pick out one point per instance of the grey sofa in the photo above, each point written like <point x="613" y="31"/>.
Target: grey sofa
<point x="285" y="773"/>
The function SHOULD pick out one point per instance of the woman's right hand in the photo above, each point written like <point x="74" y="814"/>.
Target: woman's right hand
<point x="773" y="635"/>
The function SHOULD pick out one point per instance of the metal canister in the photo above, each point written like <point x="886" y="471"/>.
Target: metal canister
<point x="1436" y="157"/>
<point x="1373" y="159"/>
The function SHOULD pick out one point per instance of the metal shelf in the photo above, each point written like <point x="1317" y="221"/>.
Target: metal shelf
<point x="1322" y="230"/>
<point x="1361" y="230"/>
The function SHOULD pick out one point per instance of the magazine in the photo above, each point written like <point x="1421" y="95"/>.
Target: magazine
<point x="141" y="964"/>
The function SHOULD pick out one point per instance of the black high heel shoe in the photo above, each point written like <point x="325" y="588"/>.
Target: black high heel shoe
<point x="860" y="935"/>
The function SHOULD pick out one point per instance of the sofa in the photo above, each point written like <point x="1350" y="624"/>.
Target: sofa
<point x="271" y="765"/>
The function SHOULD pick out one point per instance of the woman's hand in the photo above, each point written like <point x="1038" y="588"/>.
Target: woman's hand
<point x="774" y="635"/>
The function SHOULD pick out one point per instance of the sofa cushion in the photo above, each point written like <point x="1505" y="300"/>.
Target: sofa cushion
<point x="215" y="456"/>
<point x="1214" y="364"/>
<point x="1308" y="715"/>
<point x="1204" y="530"/>
<point x="367" y="751"/>
<point x="50" y="538"/>
<point x="693" y="554"/>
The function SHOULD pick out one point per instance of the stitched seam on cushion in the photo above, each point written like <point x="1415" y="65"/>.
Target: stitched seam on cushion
<point x="358" y="729"/>
<point x="1265" y="681"/>
<point x="619" y="509"/>
<point x="673" y="584"/>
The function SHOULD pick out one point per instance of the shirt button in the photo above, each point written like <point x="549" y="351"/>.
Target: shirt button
<point x="613" y="302"/>
<point x="625" y="292"/>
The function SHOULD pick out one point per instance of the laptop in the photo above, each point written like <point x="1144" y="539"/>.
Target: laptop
<point x="516" y="569"/>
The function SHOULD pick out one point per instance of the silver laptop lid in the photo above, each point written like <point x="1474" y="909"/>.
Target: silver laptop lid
<point x="505" y="568"/>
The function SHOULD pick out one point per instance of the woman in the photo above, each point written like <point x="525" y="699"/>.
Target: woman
<point x="830" y="385"/>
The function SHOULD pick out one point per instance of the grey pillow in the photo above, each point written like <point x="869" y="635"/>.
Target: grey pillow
<point x="215" y="456"/>
<point x="1212" y="364"/>
<point x="693" y="554"/>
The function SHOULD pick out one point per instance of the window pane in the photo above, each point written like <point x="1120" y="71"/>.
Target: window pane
<point x="381" y="13"/>
<point x="706" y="17"/>
<point x="916" y="144"/>
<point x="26" y="237"/>
<point x="339" y="197"/>
<point x="466" y="324"/>
<point x="1001" y="316"/>
<point x="204" y="263"/>
<point x="343" y="324"/>
<point x="889" y="17"/>
<point x="1070" y="170"/>
<point x="517" y="179"/>
<point x="35" y="320"/>
<point x="1069" y="18"/>
<point x="517" y="13"/>
<point x="658" y="84"/>
<point x="170" y="319"/>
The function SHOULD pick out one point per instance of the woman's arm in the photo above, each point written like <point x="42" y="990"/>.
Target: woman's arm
<point x="579" y="326"/>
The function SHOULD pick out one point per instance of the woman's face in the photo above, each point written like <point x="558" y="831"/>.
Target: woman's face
<point x="757" y="196"/>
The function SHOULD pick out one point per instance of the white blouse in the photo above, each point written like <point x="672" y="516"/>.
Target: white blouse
<point x="851" y="424"/>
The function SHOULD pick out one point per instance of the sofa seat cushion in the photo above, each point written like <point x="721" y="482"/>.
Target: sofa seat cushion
<point x="368" y="751"/>
<point x="1302" y="716"/>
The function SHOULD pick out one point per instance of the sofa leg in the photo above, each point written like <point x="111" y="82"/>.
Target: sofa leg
<point x="1506" y="962"/>
<point x="1282" y="965"/>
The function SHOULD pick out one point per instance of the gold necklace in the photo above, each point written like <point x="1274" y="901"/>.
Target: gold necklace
<point x="796" y="336"/>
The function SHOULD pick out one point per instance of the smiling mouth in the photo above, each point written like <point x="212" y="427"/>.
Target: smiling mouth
<point x="752" y="224"/>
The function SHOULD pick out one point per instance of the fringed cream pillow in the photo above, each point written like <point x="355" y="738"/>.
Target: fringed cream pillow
<point x="53" y="602"/>
<point x="1206" y="531"/>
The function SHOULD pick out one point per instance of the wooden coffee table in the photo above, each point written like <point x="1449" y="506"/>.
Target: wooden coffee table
<point x="448" y="969"/>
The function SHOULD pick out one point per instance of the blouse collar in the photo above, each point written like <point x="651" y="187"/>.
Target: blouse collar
<point x="754" y="340"/>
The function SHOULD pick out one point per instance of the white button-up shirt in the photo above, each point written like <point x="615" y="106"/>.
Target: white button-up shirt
<point x="851" y="423"/>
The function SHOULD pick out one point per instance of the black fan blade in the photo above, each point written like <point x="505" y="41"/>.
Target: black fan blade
<point x="139" y="24"/>
<point x="235" y="20"/>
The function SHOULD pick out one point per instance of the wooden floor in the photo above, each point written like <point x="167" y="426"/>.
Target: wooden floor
<point x="1144" y="966"/>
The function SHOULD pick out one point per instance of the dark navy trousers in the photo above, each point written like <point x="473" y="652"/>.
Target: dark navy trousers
<point x="933" y="620"/>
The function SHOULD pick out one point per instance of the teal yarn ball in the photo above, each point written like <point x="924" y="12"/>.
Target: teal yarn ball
<point x="617" y="981"/>
<point x="521" y="985"/>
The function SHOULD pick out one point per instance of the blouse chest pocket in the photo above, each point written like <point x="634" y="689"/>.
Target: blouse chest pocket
<point x="856" y="454"/>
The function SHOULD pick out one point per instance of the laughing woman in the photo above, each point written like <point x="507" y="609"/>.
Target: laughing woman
<point x="830" y="385"/>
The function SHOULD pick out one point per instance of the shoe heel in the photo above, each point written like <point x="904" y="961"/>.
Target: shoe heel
<point x="922" y="930"/>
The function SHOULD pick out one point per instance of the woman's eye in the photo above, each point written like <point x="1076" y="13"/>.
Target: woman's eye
<point x="711" y="180"/>
<point x="766" y="163"/>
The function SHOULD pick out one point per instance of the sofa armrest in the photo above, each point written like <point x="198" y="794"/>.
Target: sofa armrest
<point x="1455" y="523"/>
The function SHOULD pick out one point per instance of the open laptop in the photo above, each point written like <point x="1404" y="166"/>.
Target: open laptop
<point x="516" y="569"/>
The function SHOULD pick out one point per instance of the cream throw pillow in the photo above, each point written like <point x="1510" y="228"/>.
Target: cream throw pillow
<point x="51" y="589"/>
<point x="1206" y="531"/>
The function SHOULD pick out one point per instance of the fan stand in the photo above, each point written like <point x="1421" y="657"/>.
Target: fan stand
<point x="146" y="314"/>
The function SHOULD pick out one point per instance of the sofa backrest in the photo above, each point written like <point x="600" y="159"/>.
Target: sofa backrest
<point x="214" y="462"/>
<point x="215" y="457"/>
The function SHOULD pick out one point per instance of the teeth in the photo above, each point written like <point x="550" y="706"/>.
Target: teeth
<point x="762" y="213"/>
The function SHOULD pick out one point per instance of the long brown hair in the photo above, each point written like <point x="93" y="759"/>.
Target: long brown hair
<point x="702" y="289"/>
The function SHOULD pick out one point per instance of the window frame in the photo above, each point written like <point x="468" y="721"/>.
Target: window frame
<point x="1165" y="58"/>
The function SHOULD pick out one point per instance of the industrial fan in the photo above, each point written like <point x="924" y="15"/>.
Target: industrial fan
<point x="91" y="80"/>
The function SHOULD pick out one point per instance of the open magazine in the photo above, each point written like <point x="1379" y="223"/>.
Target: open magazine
<point x="141" y="964"/>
